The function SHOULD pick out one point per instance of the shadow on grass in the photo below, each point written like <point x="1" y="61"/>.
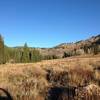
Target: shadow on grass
<point x="7" y="97"/>
<point x="61" y="93"/>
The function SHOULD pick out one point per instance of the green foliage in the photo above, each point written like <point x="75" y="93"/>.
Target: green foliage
<point x="28" y="55"/>
<point x="35" y="56"/>
<point x="18" y="55"/>
<point x="55" y="57"/>
<point x="49" y="57"/>
<point x="2" y="58"/>
<point x="66" y="54"/>
<point x="86" y="49"/>
<point x="25" y="54"/>
<point x="95" y="49"/>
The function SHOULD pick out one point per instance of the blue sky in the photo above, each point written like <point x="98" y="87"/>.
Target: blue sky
<point x="46" y="23"/>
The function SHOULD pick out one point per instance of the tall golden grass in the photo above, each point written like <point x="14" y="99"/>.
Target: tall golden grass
<point x="30" y="82"/>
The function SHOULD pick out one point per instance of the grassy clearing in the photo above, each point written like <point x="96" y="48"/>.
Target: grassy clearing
<point x="33" y="81"/>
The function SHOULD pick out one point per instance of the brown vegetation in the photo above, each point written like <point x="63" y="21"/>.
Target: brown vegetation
<point x="73" y="78"/>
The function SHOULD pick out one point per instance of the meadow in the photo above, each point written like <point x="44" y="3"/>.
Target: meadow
<point x="72" y="78"/>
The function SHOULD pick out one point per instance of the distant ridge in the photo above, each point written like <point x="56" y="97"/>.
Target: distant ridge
<point x="78" y="47"/>
<point x="70" y="47"/>
<point x="93" y="39"/>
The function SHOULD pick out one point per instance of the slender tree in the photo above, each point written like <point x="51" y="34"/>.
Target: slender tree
<point x="86" y="49"/>
<point x="25" y="54"/>
<point x="95" y="49"/>
<point x="36" y="56"/>
<point x="2" y="60"/>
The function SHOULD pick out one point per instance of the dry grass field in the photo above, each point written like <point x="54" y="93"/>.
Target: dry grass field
<point x="73" y="78"/>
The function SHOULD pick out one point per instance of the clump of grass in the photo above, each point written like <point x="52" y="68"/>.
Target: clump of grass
<point x="90" y="92"/>
<point x="28" y="86"/>
<point x="80" y="77"/>
<point x="57" y="77"/>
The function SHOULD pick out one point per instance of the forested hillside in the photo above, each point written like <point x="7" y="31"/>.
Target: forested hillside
<point x="18" y="55"/>
<point x="25" y="54"/>
<point x="83" y="47"/>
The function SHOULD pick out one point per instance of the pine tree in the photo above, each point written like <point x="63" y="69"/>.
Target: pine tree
<point x="36" y="56"/>
<point x="66" y="54"/>
<point x="2" y="60"/>
<point x="7" y="51"/>
<point x="25" y="54"/>
<point x="86" y="49"/>
<point x="95" y="49"/>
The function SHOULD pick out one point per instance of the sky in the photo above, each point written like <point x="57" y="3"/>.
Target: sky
<point x="46" y="23"/>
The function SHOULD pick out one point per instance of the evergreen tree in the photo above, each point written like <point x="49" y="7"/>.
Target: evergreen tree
<point x="9" y="54"/>
<point x="86" y="49"/>
<point x="25" y="54"/>
<point x="17" y="56"/>
<point x="2" y="60"/>
<point x="95" y="49"/>
<point x="36" y="56"/>
<point x="66" y="54"/>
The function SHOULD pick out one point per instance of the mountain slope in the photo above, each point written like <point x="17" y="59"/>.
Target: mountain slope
<point x="78" y="47"/>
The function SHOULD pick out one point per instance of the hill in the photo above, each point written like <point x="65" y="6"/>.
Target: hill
<point x="78" y="47"/>
<point x="25" y="54"/>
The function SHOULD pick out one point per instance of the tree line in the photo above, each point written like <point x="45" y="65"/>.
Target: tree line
<point x="18" y="55"/>
<point x="21" y="54"/>
<point x="93" y="49"/>
<point x="28" y="55"/>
